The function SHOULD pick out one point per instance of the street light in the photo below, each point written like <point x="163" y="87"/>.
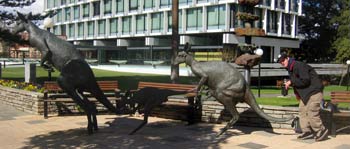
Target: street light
<point x="259" y="52"/>
<point x="348" y="63"/>
<point x="48" y="23"/>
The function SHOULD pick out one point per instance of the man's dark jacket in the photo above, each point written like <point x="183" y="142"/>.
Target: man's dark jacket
<point x="304" y="79"/>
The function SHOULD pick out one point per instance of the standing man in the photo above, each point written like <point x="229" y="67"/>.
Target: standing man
<point x="308" y="90"/>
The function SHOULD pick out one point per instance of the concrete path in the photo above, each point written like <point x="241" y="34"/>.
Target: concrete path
<point x="22" y="130"/>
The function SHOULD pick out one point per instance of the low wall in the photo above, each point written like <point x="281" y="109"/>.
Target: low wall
<point x="30" y="102"/>
<point x="211" y="111"/>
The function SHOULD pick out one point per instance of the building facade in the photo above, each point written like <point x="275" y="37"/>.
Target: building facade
<point x="140" y="30"/>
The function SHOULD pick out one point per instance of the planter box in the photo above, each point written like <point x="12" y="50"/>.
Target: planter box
<point x="249" y="2"/>
<point x="22" y="100"/>
<point x="250" y="31"/>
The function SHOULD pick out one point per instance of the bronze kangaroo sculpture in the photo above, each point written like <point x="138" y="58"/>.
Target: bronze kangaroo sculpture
<point x="226" y="84"/>
<point x="76" y="75"/>
<point x="146" y="99"/>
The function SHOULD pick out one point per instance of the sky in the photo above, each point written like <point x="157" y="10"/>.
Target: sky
<point x="37" y="7"/>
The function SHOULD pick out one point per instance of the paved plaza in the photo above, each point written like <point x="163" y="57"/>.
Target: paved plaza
<point x="23" y="130"/>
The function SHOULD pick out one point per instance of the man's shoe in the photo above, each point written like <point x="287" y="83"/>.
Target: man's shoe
<point x="322" y="135"/>
<point x="305" y="135"/>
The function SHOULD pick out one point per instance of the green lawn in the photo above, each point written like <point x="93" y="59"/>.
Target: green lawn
<point x="130" y="80"/>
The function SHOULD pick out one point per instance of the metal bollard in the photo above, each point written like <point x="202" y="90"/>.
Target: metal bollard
<point x="284" y="91"/>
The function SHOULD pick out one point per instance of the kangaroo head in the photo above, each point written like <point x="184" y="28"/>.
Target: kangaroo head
<point x="184" y="56"/>
<point x="22" y="23"/>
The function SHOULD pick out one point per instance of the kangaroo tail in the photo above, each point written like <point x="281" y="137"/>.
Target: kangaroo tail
<point x="251" y="101"/>
<point x="98" y="94"/>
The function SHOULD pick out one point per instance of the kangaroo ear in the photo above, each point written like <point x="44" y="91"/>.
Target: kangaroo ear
<point x="187" y="47"/>
<point x="22" y="17"/>
<point x="29" y="16"/>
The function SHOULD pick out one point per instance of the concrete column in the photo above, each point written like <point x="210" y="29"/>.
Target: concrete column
<point x="29" y="72"/>
<point x="277" y="51"/>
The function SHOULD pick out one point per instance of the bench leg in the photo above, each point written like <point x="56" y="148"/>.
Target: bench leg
<point x="191" y="111"/>
<point x="45" y="110"/>
<point x="333" y="126"/>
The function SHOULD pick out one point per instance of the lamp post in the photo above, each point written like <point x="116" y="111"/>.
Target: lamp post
<point x="348" y="71"/>
<point x="259" y="52"/>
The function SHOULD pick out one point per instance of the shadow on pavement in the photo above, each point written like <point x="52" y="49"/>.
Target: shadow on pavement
<point x="159" y="134"/>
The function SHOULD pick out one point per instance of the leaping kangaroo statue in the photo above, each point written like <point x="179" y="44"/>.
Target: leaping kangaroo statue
<point x="147" y="99"/>
<point x="226" y="84"/>
<point x="76" y="75"/>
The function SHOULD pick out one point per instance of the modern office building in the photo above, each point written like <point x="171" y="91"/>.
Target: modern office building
<point x="140" y="30"/>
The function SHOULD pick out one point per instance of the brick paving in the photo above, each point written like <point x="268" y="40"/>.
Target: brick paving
<point x="22" y="130"/>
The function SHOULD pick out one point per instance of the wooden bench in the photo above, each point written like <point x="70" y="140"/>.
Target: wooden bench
<point x="191" y="104"/>
<point x="336" y="98"/>
<point x="53" y="93"/>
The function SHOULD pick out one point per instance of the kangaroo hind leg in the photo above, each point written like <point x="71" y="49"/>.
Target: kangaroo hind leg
<point x="72" y="92"/>
<point x="92" y="108"/>
<point x="231" y="107"/>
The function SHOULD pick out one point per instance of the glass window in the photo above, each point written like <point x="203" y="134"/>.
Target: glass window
<point x="101" y="27"/>
<point x="86" y="10"/>
<point x="271" y="21"/>
<point x="55" y="30"/>
<point x="59" y="15"/>
<point x="114" y="26"/>
<point x="265" y="3"/>
<point x="63" y="2"/>
<point x="55" y="3"/>
<point x="258" y="23"/>
<point x="279" y="4"/>
<point x="91" y="28"/>
<point x="296" y="28"/>
<point x="165" y="3"/>
<point x="126" y="22"/>
<point x="157" y="22"/>
<point x="63" y="30"/>
<point x="149" y="4"/>
<point x="133" y="5"/>
<point x="76" y="12"/>
<point x="194" y="19"/>
<point x="96" y="8"/>
<point x="185" y="2"/>
<point x="68" y="14"/>
<point x="49" y="4"/>
<point x="71" y="31"/>
<point x="170" y="21"/>
<point x="107" y="6"/>
<point x="141" y="23"/>
<point x="286" y="24"/>
<point x="119" y="6"/>
<point x="216" y="17"/>
<point x="236" y="22"/>
<point x="201" y="1"/>
<point x="71" y="1"/>
<point x="80" y="29"/>
<point x="294" y="5"/>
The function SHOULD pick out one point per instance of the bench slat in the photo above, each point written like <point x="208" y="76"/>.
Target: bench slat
<point x="340" y="96"/>
<point x="53" y="86"/>
<point x="178" y="87"/>
<point x="340" y="101"/>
